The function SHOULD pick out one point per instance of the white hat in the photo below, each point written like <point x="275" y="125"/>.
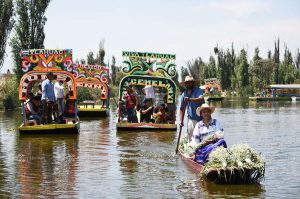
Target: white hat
<point x="188" y="79"/>
<point x="204" y="106"/>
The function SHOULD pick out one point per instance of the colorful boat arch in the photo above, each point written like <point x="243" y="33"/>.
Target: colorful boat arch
<point x="92" y="76"/>
<point x="38" y="76"/>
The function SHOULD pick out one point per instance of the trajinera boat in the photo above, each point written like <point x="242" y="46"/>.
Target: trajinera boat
<point x="148" y="79"/>
<point x="93" y="77"/>
<point x="36" y="64"/>
<point x="212" y="90"/>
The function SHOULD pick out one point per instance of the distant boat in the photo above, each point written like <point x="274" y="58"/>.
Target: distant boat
<point x="279" y="92"/>
<point x="212" y="90"/>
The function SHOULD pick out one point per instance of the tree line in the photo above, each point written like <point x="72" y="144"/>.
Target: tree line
<point x="236" y="72"/>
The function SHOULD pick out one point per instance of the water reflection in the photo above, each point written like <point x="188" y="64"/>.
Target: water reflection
<point x="49" y="163"/>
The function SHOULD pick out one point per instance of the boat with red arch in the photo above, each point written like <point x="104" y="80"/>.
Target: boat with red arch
<point x="93" y="77"/>
<point x="36" y="64"/>
<point x="145" y="72"/>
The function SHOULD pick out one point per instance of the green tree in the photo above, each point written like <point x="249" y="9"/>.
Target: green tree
<point x="184" y="73"/>
<point x="101" y="53"/>
<point x="242" y="71"/>
<point x="90" y="58"/>
<point x="114" y="70"/>
<point x="256" y="55"/>
<point x="6" y="24"/>
<point x="195" y="68"/>
<point x="276" y="75"/>
<point x="29" y="29"/>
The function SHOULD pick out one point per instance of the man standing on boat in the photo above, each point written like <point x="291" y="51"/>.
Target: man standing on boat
<point x="191" y="98"/>
<point x="48" y="98"/>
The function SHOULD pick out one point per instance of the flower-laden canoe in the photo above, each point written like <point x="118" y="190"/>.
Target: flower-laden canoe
<point x="239" y="164"/>
<point x="40" y="112"/>
<point x="147" y="94"/>
<point x="93" y="77"/>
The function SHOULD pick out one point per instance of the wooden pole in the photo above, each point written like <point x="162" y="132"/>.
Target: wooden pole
<point x="180" y="129"/>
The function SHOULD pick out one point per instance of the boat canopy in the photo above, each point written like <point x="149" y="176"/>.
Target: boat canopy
<point x="92" y="76"/>
<point x="284" y="86"/>
<point x="154" y="69"/>
<point x="36" y="63"/>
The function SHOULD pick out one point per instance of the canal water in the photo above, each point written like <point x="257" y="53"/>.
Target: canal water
<point x="103" y="163"/>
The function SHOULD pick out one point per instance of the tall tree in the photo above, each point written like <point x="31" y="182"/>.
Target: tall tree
<point x="6" y="24"/>
<point x="101" y="53"/>
<point x="297" y="59"/>
<point x="29" y="29"/>
<point x="256" y="55"/>
<point x="242" y="72"/>
<point x="114" y="70"/>
<point x="90" y="58"/>
<point x="184" y="73"/>
<point x="276" y="76"/>
<point x="195" y="67"/>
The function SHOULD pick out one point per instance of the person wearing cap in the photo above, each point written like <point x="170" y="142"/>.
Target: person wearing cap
<point x="192" y="98"/>
<point x="203" y="129"/>
<point x="48" y="98"/>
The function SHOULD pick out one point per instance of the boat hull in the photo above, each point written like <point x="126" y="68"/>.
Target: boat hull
<point x="145" y="126"/>
<point x="50" y="128"/>
<point x="270" y="98"/>
<point x="213" y="99"/>
<point x="92" y="112"/>
<point x="223" y="176"/>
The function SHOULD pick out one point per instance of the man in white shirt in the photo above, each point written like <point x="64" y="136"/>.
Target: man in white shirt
<point x="149" y="93"/>
<point x="59" y="91"/>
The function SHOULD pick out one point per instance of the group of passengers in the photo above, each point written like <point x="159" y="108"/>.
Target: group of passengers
<point x="49" y="103"/>
<point x="162" y="113"/>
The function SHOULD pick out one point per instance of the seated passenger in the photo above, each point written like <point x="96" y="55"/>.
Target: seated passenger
<point x="170" y="109"/>
<point x="146" y="111"/>
<point x="32" y="109"/>
<point x="160" y="114"/>
<point x="207" y="127"/>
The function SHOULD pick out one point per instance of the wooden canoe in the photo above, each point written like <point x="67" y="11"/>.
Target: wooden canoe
<point x="223" y="176"/>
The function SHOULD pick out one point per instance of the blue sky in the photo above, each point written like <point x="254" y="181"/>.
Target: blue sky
<point x="187" y="28"/>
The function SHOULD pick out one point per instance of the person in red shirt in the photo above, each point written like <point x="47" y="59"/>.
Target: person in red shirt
<point x="130" y="104"/>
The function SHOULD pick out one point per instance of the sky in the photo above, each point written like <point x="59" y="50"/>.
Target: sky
<point x="187" y="28"/>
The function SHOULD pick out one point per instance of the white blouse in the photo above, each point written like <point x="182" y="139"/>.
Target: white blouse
<point x="201" y="131"/>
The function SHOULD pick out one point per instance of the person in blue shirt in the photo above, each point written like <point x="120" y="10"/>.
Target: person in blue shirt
<point x="192" y="98"/>
<point x="48" y="98"/>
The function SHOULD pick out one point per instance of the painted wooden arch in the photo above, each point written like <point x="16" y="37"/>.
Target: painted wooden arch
<point x="138" y="80"/>
<point x="39" y="76"/>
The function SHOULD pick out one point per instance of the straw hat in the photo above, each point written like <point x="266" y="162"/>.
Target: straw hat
<point x="188" y="79"/>
<point x="204" y="106"/>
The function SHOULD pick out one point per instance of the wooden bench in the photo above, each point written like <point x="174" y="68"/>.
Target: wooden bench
<point x="86" y="103"/>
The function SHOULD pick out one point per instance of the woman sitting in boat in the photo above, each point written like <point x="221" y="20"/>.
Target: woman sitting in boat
<point x="32" y="109"/>
<point x="207" y="135"/>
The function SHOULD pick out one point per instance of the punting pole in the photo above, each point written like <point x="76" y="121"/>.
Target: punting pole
<point x="23" y="114"/>
<point x="181" y="122"/>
